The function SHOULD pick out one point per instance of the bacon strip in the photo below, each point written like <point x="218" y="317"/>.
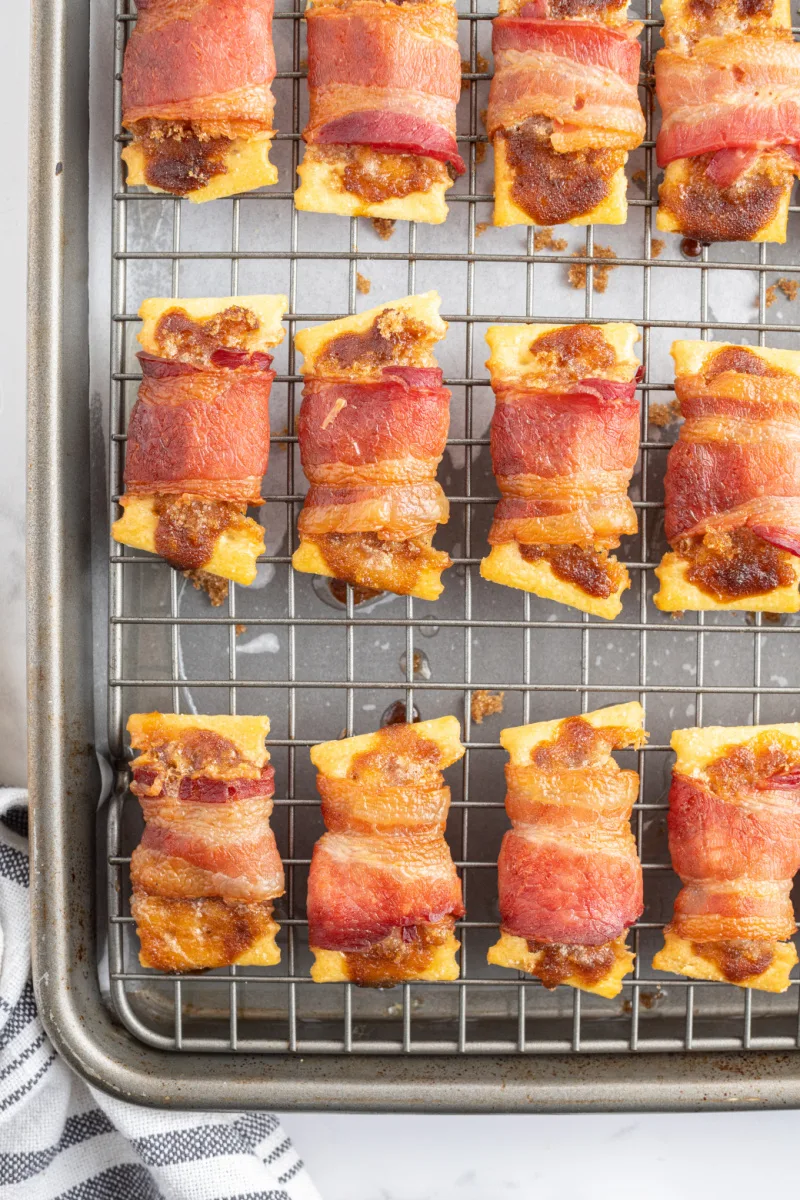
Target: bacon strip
<point x="737" y="460"/>
<point x="580" y="75"/>
<point x="384" y="866"/>
<point x="200" y="60"/>
<point x="736" y="92"/>
<point x="203" y="431"/>
<point x="568" y="872"/>
<point x="378" y="76"/>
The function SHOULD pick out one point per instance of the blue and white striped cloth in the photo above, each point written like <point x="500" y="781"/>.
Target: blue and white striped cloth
<point x="61" y="1140"/>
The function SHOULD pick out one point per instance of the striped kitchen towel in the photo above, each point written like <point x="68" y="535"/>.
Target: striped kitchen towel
<point x="62" y="1140"/>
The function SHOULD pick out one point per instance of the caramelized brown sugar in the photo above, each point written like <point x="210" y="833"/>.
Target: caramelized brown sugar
<point x="194" y="340"/>
<point x="574" y="351"/>
<point x="578" y="744"/>
<point x="709" y="213"/>
<point x="551" y="187"/>
<point x="736" y="564"/>
<point x="400" y="758"/>
<point x="188" y="528"/>
<point x="372" y="562"/>
<point x="192" y="752"/>
<point x="590" y="570"/>
<point x="407" y="953"/>
<point x="739" y="959"/>
<point x="179" y="157"/>
<point x="740" y="359"/>
<point x="186" y="935"/>
<point x="560" y="962"/>
<point x="378" y="175"/>
<point x="391" y="338"/>
<point x="591" y="10"/>
<point x="772" y="759"/>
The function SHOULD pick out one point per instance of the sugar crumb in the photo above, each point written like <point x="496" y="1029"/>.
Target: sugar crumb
<point x="543" y="240"/>
<point x="481" y="67"/>
<point x="363" y="284"/>
<point x="481" y="227"/>
<point x="662" y="415"/>
<point x="789" y="288"/>
<point x="657" y="247"/>
<point x="383" y="226"/>
<point x="770" y="296"/>
<point x="577" y="273"/>
<point x="480" y="151"/>
<point x="485" y="704"/>
<point x="639" y="176"/>
<point x="240" y="629"/>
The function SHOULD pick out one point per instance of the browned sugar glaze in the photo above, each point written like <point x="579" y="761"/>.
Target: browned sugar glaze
<point x="551" y="187"/>
<point x="193" y="752"/>
<point x="558" y="963"/>
<point x="590" y="9"/>
<point x="738" y="959"/>
<point x="745" y="10"/>
<point x="179" y="156"/>
<point x="573" y="352"/>
<point x="391" y="334"/>
<point x="405" y="954"/>
<point x="709" y="213"/>
<point x="377" y="175"/>
<point x="736" y="564"/>
<point x="379" y="565"/>
<point x="188" y="527"/>
<point x="400" y="757"/>
<point x="224" y="931"/>
<point x="338" y="589"/>
<point x="194" y="340"/>
<point x="591" y="570"/>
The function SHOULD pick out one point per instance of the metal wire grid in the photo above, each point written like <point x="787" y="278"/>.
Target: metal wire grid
<point x="521" y="1030"/>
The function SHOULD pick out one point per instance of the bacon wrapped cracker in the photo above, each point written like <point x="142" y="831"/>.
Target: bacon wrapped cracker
<point x="563" y="111"/>
<point x="372" y="431"/>
<point x="565" y="438"/>
<point x="198" y="437"/>
<point x="728" y="82"/>
<point x="734" y="838"/>
<point x="569" y="878"/>
<point x="207" y="869"/>
<point x="196" y="96"/>
<point x="383" y="893"/>
<point x="384" y="81"/>
<point x="732" y="487"/>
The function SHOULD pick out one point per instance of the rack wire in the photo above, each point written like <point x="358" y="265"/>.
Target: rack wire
<point x="547" y="660"/>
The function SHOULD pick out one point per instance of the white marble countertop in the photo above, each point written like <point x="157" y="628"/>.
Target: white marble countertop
<point x="586" y="1157"/>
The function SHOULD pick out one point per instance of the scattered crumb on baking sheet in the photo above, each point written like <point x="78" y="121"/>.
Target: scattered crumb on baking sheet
<point x="657" y="247"/>
<point x="214" y="585"/>
<point x="543" y="240"/>
<point x="383" y="226"/>
<point x="240" y="629"/>
<point x="662" y="415"/>
<point x="363" y="284"/>
<point x="639" y="176"/>
<point x="485" y="704"/>
<point x="577" y="273"/>
<point x="480" y="151"/>
<point x="481" y="227"/>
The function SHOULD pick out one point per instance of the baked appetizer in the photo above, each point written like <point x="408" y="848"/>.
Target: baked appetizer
<point x="734" y="838"/>
<point x="384" y="80"/>
<point x="563" y="111"/>
<point x="198" y="437"/>
<point x="196" y="97"/>
<point x="728" y="82"/>
<point x="207" y="869"/>
<point x="569" y="878"/>
<point x="732" y="489"/>
<point x="383" y="893"/>
<point x="372" y="431"/>
<point x="565" y="438"/>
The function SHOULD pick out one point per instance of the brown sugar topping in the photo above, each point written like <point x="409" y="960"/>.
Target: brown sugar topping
<point x="560" y="962"/>
<point x="392" y="335"/>
<point x="730" y="566"/>
<point x="738" y="959"/>
<point x="370" y="562"/>
<point x="601" y="273"/>
<point x="194" y="340"/>
<point x="580" y="350"/>
<point x="188" y="527"/>
<point x="551" y="187"/>
<point x="179" y="158"/>
<point x="708" y="213"/>
<point x="738" y="358"/>
<point x="485" y="704"/>
<point x="406" y="953"/>
<point x="377" y="175"/>
<point x="590" y="570"/>
<point x="772" y="759"/>
<point x="400" y="757"/>
<point x="577" y="744"/>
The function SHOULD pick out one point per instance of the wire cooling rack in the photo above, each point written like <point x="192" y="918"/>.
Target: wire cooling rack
<point x="320" y="668"/>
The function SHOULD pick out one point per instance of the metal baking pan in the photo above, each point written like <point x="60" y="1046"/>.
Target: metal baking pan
<point x="254" y="1038"/>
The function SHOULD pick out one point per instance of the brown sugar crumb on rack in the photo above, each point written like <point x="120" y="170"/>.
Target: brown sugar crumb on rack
<point x="483" y="114"/>
<point x="639" y="176"/>
<point x="383" y="226"/>
<point x="789" y="288"/>
<point x="481" y="227"/>
<point x="577" y="272"/>
<point x="480" y="151"/>
<point x="363" y="284"/>
<point x="485" y="704"/>
<point x="481" y="67"/>
<point x="214" y="585"/>
<point x="770" y="296"/>
<point x="662" y="415"/>
<point x="543" y="240"/>
<point x="657" y="247"/>
<point x="240" y="629"/>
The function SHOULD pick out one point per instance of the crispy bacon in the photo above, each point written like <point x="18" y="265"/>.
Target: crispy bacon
<point x="568" y="871"/>
<point x="379" y="77"/>
<point x="200" y="60"/>
<point x="736" y="855"/>
<point x="563" y="463"/>
<point x="736" y="462"/>
<point x="384" y="865"/>
<point x="579" y="75"/>
<point x="205" y="432"/>
<point x="736" y="92"/>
